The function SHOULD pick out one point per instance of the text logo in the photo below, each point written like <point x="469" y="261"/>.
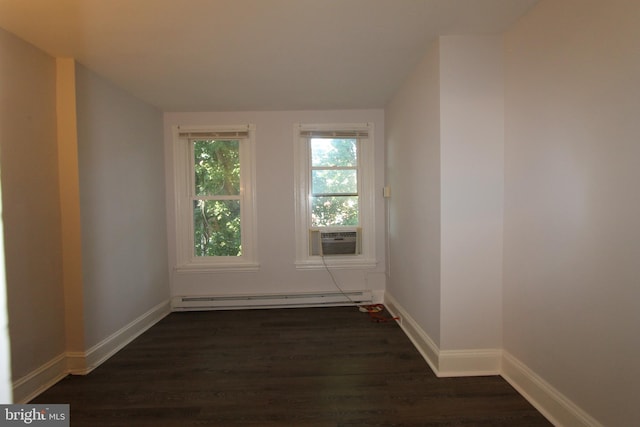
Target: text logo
<point x="34" y="415"/>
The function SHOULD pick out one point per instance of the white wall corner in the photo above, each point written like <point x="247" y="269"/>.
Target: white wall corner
<point x="81" y="363"/>
<point x="77" y="362"/>
<point x="445" y="363"/>
<point x="555" y="406"/>
<point x="378" y="296"/>
<point x="106" y="348"/>
<point x="37" y="381"/>
<point x="467" y="363"/>
<point x="420" y="339"/>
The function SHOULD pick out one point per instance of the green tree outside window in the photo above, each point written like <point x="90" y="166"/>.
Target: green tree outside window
<point x="334" y="182"/>
<point x="216" y="203"/>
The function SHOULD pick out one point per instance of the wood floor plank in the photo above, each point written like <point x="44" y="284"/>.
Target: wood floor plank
<point x="283" y="367"/>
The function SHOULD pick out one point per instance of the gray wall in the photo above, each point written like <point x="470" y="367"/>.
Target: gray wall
<point x="572" y="206"/>
<point x="122" y="197"/>
<point x="412" y="121"/>
<point x="445" y="143"/>
<point x="122" y="202"/>
<point x="31" y="204"/>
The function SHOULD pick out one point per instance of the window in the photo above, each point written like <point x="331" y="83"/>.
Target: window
<point x="214" y="197"/>
<point x="334" y="190"/>
<point x="334" y="181"/>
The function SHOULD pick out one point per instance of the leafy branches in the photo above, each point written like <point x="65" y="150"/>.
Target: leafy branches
<point x="216" y="206"/>
<point x="334" y="182"/>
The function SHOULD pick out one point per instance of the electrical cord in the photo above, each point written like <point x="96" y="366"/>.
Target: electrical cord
<point x="335" y="282"/>
<point x="374" y="310"/>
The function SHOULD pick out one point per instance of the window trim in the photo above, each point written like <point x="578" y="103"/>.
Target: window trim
<point x="186" y="261"/>
<point x="302" y="191"/>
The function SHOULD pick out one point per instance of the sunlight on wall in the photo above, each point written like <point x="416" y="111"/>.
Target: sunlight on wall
<point x="5" y="354"/>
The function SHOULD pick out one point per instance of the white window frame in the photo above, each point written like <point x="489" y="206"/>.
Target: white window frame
<point x="366" y="196"/>
<point x="184" y="187"/>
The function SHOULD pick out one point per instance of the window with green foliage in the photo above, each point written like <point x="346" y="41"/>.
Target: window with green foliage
<point x="214" y="185"/>
<point x="334" y="188"/>
<point x="334" y="182"/>
<point x="216" y="200"/>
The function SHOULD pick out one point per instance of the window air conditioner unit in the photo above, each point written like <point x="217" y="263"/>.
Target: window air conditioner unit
<point x="335" y="242"/>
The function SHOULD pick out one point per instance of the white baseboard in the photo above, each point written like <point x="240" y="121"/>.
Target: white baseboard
<point x="468" y="363"/>
<point x="556" y="407"/>
<point x="420" y="339"/>
<point x="445" y="363"/>
<point x="109" y="346"/>
<point x="81" y="363"/>
<point x="37" y="381"/>
<point x="77" y="362"/>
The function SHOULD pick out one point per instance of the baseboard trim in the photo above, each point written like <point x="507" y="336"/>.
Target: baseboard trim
<point x="420" y="339"/>
<point x="445" y="363"/>
<point x="467" y="363"/>
<point x="555" y="406"/>
<point x="106" y="348"/>
<point x="80" y="363"/>
<point x="76" y="362"/>
<point x="39" y="380"/>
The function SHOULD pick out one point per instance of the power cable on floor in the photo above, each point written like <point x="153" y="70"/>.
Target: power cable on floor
<point x="375" y="310"/>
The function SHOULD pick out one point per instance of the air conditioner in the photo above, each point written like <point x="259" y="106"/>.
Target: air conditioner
<point x="335" y="242"/>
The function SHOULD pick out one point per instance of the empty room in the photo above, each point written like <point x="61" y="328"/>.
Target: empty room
<point x="321" y="212"/>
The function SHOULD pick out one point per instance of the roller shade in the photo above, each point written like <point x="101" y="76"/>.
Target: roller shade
<point x="233" y="134"/>
<point x="361" y="133"/>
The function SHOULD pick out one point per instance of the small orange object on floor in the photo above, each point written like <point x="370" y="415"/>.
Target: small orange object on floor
<point x="375" y="312"/>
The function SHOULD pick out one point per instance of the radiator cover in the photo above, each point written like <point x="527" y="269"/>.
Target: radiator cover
<point x="230" y="302"/>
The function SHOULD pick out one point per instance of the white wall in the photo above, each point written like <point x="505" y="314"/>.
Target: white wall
<point x="572" y="206"/>
<point x="122" y="201"/>
<point x="412" y="120"/>
<point x="472" y="167"/>
<point x="275" y="207"/>
<point x="445" y="164"/>
<point x="31" y="204"/>
<point x="6" y="389"/>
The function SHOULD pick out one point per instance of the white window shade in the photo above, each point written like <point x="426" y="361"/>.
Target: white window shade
<point x="231" y="134"/>
<point x="364" y="133"/>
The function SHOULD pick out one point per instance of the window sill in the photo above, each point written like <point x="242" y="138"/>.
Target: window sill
<point x="217" y="268"/>
<point x="335" y="263"/>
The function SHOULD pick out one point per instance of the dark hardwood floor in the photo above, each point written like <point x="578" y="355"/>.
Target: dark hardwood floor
<point x="283" y="367"/>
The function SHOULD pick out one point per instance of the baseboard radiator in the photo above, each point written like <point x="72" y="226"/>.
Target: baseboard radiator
<point x="230" y="302"/>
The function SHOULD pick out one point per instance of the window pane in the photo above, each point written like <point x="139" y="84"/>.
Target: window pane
<point x="334" y="211"/>
<point x="334" y="181"/>
<point x="216" y="227"/>
<point x="333" y="152"/>
<point x="216" y="167"/>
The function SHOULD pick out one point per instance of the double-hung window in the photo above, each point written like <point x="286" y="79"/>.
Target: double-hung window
<point x="215" y="185"/>
<point x="334" y="194"/>
<point x="334" y="189"/>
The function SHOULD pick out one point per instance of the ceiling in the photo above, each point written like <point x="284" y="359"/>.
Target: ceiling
<point x="234" y="55"/>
